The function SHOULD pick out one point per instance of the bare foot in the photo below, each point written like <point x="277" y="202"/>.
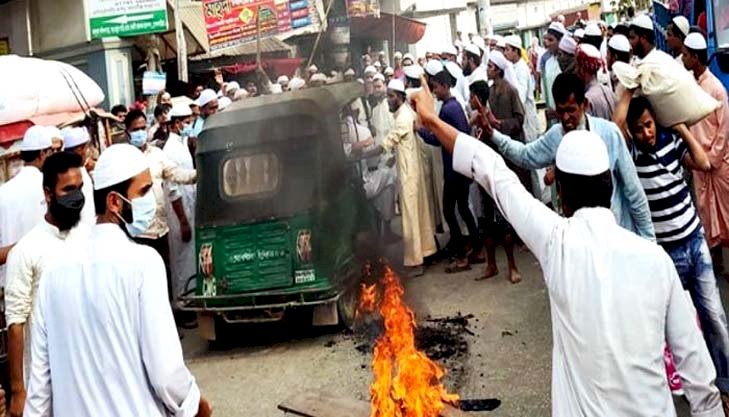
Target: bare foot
<point x="514" y="276"/>
<point x="491" y="271"/>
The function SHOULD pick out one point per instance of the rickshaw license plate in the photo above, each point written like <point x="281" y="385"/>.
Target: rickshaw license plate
<point x="304" y="276"/>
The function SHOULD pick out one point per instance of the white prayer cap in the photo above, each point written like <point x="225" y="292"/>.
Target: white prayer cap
<point x="619" y="43"/>
<point x="592" y="29"/>
<point x="455" y="70"/>
<point x="232" y="87"/>
<point x="389" y="71"/>
<point x="54" y="132"/>
<point x="361" y="81"/>
<point x="117" y="164"/>
<point x="240" y="94"/>
<point x="472" y="48"/>
<point x="695" y="41"/>
<point x="643" y="21"/>
<point x="276" y="88"/>
<point x="498" y="59"/>
<point x="568" y="44"/>
<point x="582" y="152"/>
<point x="413" y="71"/>
<point x="450" y="50"/>
<point x="319" y="77"/>
<point x="36" y="138"/>
<point x="479" y="42"/>
<point x="349" y="72"/>
<point x="398" y="55"/>
<point x="396" y="85"/>
<point x="181" y="110"/>
<point x="379" y="77"/>
<point x="296" y="83"/>
<point x="514" y="41"/>
<point x="75" y="136"/>
<point x="433" y="67"/>
<point x="206" y="96"/>
<point x="579" y="33"/>
<point x="477" y="78"/>
<point x="682" y="24"/>
<point x="557" y="27"/>
<point x="370" y="70"/>
<point x="589" y="50"/>
<point x="224" y="102"/>
<point x="500" y="41"/>
<point x="282" y="79"/>
<point x="377" y="64"/>
<point x="313" y="68"/>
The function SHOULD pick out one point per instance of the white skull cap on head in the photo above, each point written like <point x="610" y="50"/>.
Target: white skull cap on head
<point x="408" y="56"/>
<point x="349" y="72"/>
<point x="500" y="41"/>
<point x="370" y="70"/>
<point x="682" y="24"/>
<point x="472" y="48"/>
<point x="568" y="44"/>
<point x="558" y="27"/>
<point x="313" y="68"/>
<point x="398" y="55"/>
<point x="389" y="71"/>
<point x="592" y="29"/>
<point x="513" y="40"/>
<point x="498" y="59"/>
<point x="396" y="85"/>
<point x="433" y="67"/>
<point x="582" y="152"/>
<point x="589" y="50"/>
<point x="619" y="43"/>
<point x="36" y="138"/>
<point x="455" y="70"/>
<point x="579" y="33"/>
<point x="379" y="77"/>
<point x="695" y="41"/>
<point x="478" y="41"/>
<point x="180" y="110"/>
<point x="75" y="136"/>
<point x="413" y="71"/>
<point x="283" y="79"/>
<point x="643" y="21"/>
<point x="450" y="50"/>
<point x="117" y="164"/>
<point x="232" y="87"/>
<point x="206" y="96"/>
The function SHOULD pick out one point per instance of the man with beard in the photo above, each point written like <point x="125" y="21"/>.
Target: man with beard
<point x="551" y="69"/>
<point x="54" y="235"/>
<point x="472" y="68"/>
<point x="643" y="39"/>
<point x="76" y="140"/>
<point x="208" y="104"/>
<point x="566" y="54"/>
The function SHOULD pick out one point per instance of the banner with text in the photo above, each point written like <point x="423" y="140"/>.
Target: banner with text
<point x="234" y="22"/>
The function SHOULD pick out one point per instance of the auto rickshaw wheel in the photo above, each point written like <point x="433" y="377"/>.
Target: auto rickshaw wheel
<point x="347" y="307"/>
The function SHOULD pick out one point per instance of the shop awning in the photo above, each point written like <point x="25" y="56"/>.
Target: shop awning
<point x="271" y="45"/>
<point x="285" y="66"/>
<point x="406" y="30"/>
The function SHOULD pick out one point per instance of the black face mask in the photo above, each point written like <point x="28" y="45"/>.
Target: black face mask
<point x="66" y="210"/>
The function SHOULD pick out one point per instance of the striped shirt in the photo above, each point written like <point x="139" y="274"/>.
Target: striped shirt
<point x="660" y="171"/>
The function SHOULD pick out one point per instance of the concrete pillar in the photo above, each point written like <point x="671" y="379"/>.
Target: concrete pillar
<point x="484" y="19"/>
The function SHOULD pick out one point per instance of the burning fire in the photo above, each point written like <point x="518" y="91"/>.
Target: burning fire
<point x="407" y="383"/>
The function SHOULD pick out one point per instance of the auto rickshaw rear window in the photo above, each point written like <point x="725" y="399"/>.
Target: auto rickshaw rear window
<point x="249" y="176"/>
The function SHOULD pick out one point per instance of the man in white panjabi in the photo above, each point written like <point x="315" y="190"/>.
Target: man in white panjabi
<point x="104" y="341"/>
<point x="182" y="223"/>
<point x="22" y="203"/>
<point x="418" y="234"/>
<point x="76" y="140"/>
<point x="60" y="228"/>
<point x="616" y="298"/>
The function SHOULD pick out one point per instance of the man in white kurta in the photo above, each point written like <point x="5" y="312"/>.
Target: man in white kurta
<point x="615" y="297"/>
<point x="104" y="341"/>
<point x="182" y="248"/>
<point x="22" y="203"/>
<point x="76" y="140"/>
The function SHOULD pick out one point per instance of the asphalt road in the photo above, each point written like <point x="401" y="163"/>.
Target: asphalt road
<point x="509" y="354"/>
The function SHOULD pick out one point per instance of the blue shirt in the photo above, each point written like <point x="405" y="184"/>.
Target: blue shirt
<point x="197" y="127"/>
<point x="660" y="171"/>
<point x="452" y="113"/>
<point x="629" y="203"/>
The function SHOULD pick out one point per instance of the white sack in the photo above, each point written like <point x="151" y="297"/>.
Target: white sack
<point x="672" y="91"/>
<point x="31" y="87"/>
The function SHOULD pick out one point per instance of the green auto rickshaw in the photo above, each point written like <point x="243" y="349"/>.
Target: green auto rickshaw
<point x="280" y="213"/>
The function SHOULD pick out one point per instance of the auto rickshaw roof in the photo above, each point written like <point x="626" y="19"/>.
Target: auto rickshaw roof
<point x="318" y="103"/>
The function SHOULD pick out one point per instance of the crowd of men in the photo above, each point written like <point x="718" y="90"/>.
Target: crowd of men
<point x="625" y="216"/>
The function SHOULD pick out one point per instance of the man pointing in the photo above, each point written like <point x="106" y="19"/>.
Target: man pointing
<point x="616" y="298"/>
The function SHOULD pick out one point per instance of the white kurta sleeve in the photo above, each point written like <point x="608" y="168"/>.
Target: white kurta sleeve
<point x="173" y="173"/>
<point x="691" y="356"/>
<point x="161" y="351"/>
<point x="39" y="402"/>
<point x="18" y="286"/>
<point x="533" y="221"/>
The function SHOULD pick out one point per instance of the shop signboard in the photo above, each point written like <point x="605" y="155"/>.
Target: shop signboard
<point x="126" y="17"/>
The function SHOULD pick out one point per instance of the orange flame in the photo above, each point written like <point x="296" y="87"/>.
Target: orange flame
<point x="406" y="382"/>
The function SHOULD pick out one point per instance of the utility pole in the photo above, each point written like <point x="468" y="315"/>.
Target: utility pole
<point x="181" y="45"/>
<point x="484" y="19"/>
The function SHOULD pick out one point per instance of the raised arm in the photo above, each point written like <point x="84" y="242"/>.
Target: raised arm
<point x="539" y="153"/>
<point x="691" y="356"/>
<point x="531" y="219"/>
<point x="696" y="158"/>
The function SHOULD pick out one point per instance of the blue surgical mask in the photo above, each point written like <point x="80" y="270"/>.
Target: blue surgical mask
<point x="143" y="210"/>
<point x="138" y="138"/>
<point x="186" y="130"/>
